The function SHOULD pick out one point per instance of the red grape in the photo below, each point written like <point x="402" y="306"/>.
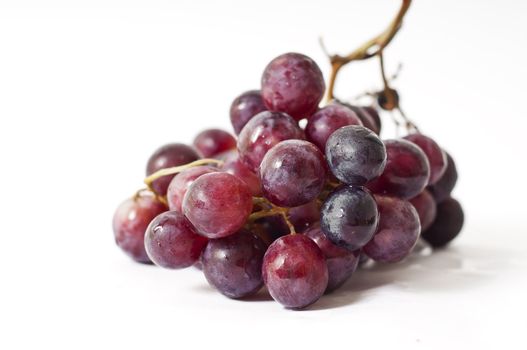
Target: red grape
<point x="368" y="116"/>
<point x="426" y="208"/>
<point x="212" y="142"/>
<point x="374" y="115"/>
<point x="217" y="204"/>
<point x="130" y="222"/>
<point x="233" y="265"/>
<point x="398" y="230"/>
<point x="295" y="271"/>
<point x="341" y="262"/>
<point x="181" y="182"/>
<point x="172" y="242"/>
<point x="168" y="156"/>
<point x="326" y="120"/>
<point x="436" y="156"/>
<point x="302" y="217"/>
<point x="406" y="173"/>
<point x="293" y="173"/>
<point x="293" y="83"/>
<point x="263" y="132"/>
<point x="233" y="165"/>
<point x="244" y="107"/>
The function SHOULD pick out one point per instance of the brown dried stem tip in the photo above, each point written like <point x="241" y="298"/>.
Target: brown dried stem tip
<point x="371" y="48"/>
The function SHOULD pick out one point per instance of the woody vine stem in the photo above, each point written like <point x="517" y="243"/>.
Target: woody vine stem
<point x="372" y="48"/>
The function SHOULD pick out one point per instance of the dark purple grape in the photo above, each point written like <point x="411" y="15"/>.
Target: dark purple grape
<point x="341" y="262"/>
<point x="233" y="265"/>
<point x="218" y="204"/>
<point x="181" y="182"/>
<point x="327" y="120"/>
<point x="398" y="231"/>
<point x="304" y="216"/>
<point x="436" y="156"/>
<point x="172" y="242"/>
<point x="447" y="225"/>
<point x="426" y="208"/>
<point x="355" y="155"/>
<point x="263" y="132"/>
<point x="293" y="173"/>
<point x="349" y="217"/>
<point x="293" y="83"/>
<point x="234" y="166"/>
<point x="442" y="189"/>
<point x="368" y="116"/>
<point x="244" y="107"/>
<point x="130" y="222"/>
<point x="168" y="156"/>
<point x="270" y="228"/>
<point x="295" y="271"/>
<point x="212" y="142"/>
<point x="406" y="173"/>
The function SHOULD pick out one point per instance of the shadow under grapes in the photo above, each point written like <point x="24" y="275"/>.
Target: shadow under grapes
<point x="445" y="270"/>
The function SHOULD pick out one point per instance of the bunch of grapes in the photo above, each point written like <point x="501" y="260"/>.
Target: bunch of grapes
<point x="295" y="208"/>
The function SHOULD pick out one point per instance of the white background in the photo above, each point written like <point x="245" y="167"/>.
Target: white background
<point x="88" y="89"/>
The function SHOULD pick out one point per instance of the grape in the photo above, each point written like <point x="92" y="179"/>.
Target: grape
<point x="217" y="204"/>
<point x="263" y="132"/>
<point x="233" y="265"/>
<point x="442" y="189"/>
<point x="212" y="142"/>
<point x="227" y="155"/>
<point x="302" y="217"/>
<point x="368" y="116"/>
<point x="349" y="217"/>
<point x="292" y="173"/>
<point x="355" y="155"/>
<point x="447" y="225"/>
<point x="363" y="259"/>
<point x="168" y="156"/>
<point x="406" y="173"/>
<point x="172" y="242"/>
<point x="244" y="107"/>
<point x="372" y="113"/>
<point x="426" y="208"/>
<point x="398" y="231"/>
<point x="295" y="271"/>
<point x="293" y="83"/>
<point x="234" y="166"/>
<point x="130" y="222"/>
<point x="270" y="228"/>
<point x="326" y="120"/>
<point x="435" y="155"/>
<point x="341" y="262"/>
<point x="181" y="182"/>
<point x="198" y="265"/>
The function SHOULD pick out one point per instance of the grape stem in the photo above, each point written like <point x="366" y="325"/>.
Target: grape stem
<point x="371" y="48"/>
<point x="392" y="100"/>
<point x="177" y="169"/>
<point x="271" y="210"/>
<point x="158" y="197"/>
